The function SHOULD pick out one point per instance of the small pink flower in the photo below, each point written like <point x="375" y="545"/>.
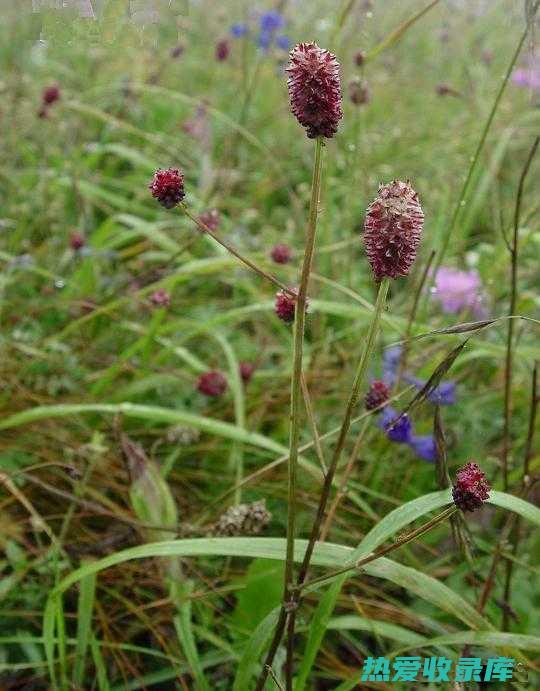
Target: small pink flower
<point x="76" y="241"/>
<point x="212" y="384"/>
<point x="458" y="290"/>
<point x="160" y="298"/>
<point x="281" y="254"/>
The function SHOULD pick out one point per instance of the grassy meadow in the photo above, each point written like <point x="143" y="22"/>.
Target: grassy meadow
<point x="144" y="505"/>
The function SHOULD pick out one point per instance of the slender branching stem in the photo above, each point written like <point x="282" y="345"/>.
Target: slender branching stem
<point x="409" y="537"/>
<point x="411" y="320"/>
<point x="346" y="422"/>
<point x="345" y="426"/>
<point x="342" y="490"/>
<point x="296" y="397"/>
<point x="257" y="269"/>
<point x="509" y="360"/>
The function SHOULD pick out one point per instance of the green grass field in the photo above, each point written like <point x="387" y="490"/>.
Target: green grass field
<point x="143" y="523"/>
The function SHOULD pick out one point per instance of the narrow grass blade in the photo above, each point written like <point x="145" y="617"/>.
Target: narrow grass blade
<point x="85" y="608"/>
<point x="253" y="650"/>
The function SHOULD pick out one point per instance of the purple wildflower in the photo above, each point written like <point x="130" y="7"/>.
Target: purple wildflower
<point x="283" y="42"/>
<point x="424" y="447"/>
<point x="271" y="21"/>
<point x="397" y="429"/>
<point x="264" y="40"/>
<point x="457" y="290"/>
<point x="239" y="30"/>
<point x="528" y="76"/>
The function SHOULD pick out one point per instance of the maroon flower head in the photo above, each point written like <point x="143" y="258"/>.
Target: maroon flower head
<point x="223" y="48"/>
<point x="359" y="92"/>
<point x="471" y="488"/>
<point x="281" y="254"/>
<point x="177" y="51"/>
<point x="212" y="384"/>
<point x="160" y="298"/>
<point x="211" y="218"/>
<point x="359" y="58"/>
<point x="392" y="230"/>
<point x="50" y="95"/>
<point x="167" y="187"/>
<point x="377" y="395"/>
<point x="246" y="371"/>
<point x="76" y="241"/>
<point x="315" y="89"/>
<point x="285" y="306"/>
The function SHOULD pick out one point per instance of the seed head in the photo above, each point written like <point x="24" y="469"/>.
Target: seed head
<point x="160" y="298"/>
<point x="212" y="384"/>
<point x="281" y="254"/>
<point x="50" y="94"/>
<point x="246" y="371"/>
<point x="377" y="395"/>
<point x="315" y="89"/>
<point x="285" y="306"/>
<point x="471" y="488"/>
<point x="167" y="187"/>
<point x="392" y="230"/>
<point x="76" y="241"/>
<point x="243" y="519"/>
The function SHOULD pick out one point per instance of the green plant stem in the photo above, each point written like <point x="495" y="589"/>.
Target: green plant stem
<point x="296" y="396"/>
<point x="345" y="426"/>
<point x="509" y="360"/>
<point x="346" y="422"/>
<point x="409" y="537"/>
<point x="257" y="269"/>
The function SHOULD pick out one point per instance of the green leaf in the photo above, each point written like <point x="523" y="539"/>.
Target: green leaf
<point x="391" y="524"/>
<point x="84" y="625"/>
<point x="253" y="649"/>
<point x="145" y="412"/>
<point x="490" y="639"/>
<point x="352" y="622"/>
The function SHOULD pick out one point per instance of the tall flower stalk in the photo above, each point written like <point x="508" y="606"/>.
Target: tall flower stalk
<point x="315" y="98"/>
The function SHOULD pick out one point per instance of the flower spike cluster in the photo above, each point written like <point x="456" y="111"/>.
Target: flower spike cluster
<point x="315" y="89"/>
<point x="471" y="488"/>
<point x="167" y="187"/>
<point x="392" y="230"/>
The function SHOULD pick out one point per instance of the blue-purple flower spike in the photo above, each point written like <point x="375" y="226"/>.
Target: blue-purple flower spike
<point x="400" y="431"/>
<point x="424" y="447"/>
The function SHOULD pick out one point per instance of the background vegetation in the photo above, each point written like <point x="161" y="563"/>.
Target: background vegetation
<point x="87" y="357"/>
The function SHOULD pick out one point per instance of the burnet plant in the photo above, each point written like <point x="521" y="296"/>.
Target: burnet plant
<point x="392" y="232"/>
